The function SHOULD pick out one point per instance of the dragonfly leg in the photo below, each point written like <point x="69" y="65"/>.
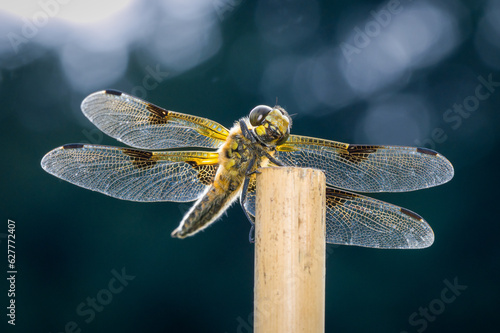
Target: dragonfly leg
<point x="246" y="132"/>
<point x="255" y="172"/>
<point x="273" y="160"/>
<point x="243" y="197"/>
<point x="251" y="219"/>
<point x="251" y="235"/>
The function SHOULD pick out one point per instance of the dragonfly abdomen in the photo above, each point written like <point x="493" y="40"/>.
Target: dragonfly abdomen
<point x="205" y="211"/>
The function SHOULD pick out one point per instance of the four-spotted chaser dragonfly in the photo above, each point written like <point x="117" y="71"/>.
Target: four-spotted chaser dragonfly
<point x="218" y="177"/>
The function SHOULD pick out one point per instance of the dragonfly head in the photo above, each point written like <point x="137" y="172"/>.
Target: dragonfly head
<point x="271" y="125"/>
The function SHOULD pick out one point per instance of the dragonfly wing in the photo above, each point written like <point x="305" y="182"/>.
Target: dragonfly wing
<point x="133" y="174"/>
<point x="353" y="219"/>
<point x="140" y="124"/>
<point x="366" y="168"/>
<point x="250" y="198"/>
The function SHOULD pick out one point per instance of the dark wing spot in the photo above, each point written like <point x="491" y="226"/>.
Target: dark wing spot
<point x="411" y="214"/>
<point x="206" y="172"/>
<point x="141" y="159"/>
<point x="357" y="153"/>
<point x="113" y="92"/>
<point x="336" y="197"/>
<point x="426" y="151"/>
<point x="73" y="146"/>
<point x="157" y="115"/>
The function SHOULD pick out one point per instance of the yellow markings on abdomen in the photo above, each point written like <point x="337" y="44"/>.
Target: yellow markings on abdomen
<point x="233" y="159"/>
<point x="205" y="211"/>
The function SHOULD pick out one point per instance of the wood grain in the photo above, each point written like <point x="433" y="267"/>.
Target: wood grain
<point x="289" y="294"/>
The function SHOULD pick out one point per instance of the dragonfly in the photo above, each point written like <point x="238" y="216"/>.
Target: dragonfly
<point x="179" y="157"/>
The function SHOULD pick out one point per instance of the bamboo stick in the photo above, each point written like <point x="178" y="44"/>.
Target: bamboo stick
<point x="289" y="292"/>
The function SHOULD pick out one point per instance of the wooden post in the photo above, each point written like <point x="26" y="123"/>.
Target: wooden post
<point x="289" y="292"/>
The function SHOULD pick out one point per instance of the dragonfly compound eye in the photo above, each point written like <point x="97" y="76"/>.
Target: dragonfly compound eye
<point x="258" y="114"/>
<point x="283" y="138"/>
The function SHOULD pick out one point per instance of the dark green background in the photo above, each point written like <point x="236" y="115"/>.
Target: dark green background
<point x="68" y="240"/>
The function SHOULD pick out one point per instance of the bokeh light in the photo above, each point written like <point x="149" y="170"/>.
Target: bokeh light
<point x="396" y="120"/>
<point x="385" y="48"/>
<point x="94" y="39"/>
<point x="487" y="38"/>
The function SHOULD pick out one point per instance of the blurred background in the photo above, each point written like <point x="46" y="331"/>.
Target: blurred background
<point x="419" y="73"/>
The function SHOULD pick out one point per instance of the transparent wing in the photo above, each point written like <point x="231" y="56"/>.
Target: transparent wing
<point x="249" y="205"/>
<point x="140" y="124"/>
<point x="353" y="219"/>
<point x="133" y="174"/>
<point x="366" y="168"/>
